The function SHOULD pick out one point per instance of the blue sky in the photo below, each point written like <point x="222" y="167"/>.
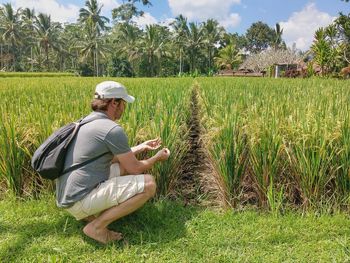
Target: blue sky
<point x="298" y="18"/>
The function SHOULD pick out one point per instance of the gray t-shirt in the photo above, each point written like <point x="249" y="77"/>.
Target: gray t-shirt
<point x="94" y="138"/>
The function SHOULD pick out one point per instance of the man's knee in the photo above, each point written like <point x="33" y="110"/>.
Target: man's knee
<point x="150" y="185"/>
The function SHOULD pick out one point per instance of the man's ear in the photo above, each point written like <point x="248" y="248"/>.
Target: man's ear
<point x="117" y="103"/>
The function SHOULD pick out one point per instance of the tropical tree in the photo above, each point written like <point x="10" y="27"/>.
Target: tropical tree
<point x="240" y="41"/>
<point x="335" y="58"/>
<point x="277" y="38"/>
<point x="93" y="48"/>
<point x="127" y="11"/>
<point x="229" y="57"/>
<point x="71" y="37"/>
<point x="91" y="16"/>
<point x="127" y="39"/>
<point x="194" y="43"/>
<point x="322" y="50"/>
<point x="342" y="24"/>
<point x="259" y="37"/>
<point x="212" y="34"/>
<point x="28" y="17"/>
<point x="153" y="44"/>
<point x="181" y="30"/>
<point x="11" y="31"/>
<point x="47" y="35"/>
<point x="94" y="23"/>
<point x="118" y="66"/>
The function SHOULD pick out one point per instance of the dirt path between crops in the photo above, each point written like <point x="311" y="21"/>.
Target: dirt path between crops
<point x="195" y="168"/>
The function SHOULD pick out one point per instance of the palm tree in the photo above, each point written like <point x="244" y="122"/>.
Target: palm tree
<point x="94" y="23"/>
<point x="128" y="38"/>
<point x="153" y="46"/>
<point x="11" y="30"/>
<point x="47" y="33"/>
<point x="335" y="53"/>
<point x="181" y="31"/>
<point x="277" y="41"/>
<point x="194" y="42"/>
<point x="127" y="11"/>
<point x="229" y="57"/>
<point x="91" y="16"/>
<point x="212" y="34"/>
<point x="342" y="24"/>
<point x="70" y="36"/>
<point x="322" y="50"/>
<point x="28" y="18"/>
<point x="92" y="47"/>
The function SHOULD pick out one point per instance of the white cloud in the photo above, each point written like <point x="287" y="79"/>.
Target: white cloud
<point x="146" y="19"/>
<point x="167" y="22"/>
<point x="203" y="9"/>
<point x="108" y="5"/>
<point x="301" y="26"/>
<point x="61" y="12"/>
<point x="232" y="20"/>
<point x="58" y="12"/>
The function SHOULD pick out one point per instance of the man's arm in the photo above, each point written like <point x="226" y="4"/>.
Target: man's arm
<point x="134" y="166"/>
<point x="145" y="146"/>
<point x="138" y="149"/>
<point x="135" y="150"/>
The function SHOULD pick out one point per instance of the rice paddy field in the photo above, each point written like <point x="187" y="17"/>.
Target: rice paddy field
<point x="271" y="143"/>
<point x="35" y="107"/>
<point x="279" y="142"/>
<point x="275" y="146"/>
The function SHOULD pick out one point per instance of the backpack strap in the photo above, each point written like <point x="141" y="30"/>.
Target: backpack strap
<point x="78" y="124"/>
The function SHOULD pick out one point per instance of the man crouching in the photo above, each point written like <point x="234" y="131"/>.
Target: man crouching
<point x="113" y="185"/>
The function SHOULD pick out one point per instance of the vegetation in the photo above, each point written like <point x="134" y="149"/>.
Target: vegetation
<point x="331" y="46"/>
<point x="169" y="232"/>
<point x="278" y="144"/>
<point x="35" y="74"/>
<point x="274" y="144"/>
<point x="35" y="107"/>
<point x="281" y="146"/>
<point x="91" y="46"/>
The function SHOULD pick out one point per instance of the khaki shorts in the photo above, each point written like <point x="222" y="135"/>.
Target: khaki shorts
<point x="117" y="189"/>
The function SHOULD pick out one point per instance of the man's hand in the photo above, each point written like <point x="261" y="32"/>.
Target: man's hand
<point x="152" y="144"/>
<point x="163" y="154"/>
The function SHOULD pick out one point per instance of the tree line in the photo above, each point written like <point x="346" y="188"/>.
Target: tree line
<point x="96" y="46"/>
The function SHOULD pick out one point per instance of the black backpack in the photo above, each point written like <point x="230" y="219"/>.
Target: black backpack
<point x="48" y="160"/>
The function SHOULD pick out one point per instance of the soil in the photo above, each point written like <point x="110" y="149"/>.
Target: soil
<point x="189" y="185"/>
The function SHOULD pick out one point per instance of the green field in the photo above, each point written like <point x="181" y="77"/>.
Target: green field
<point x="277" y="144"/>
<point x="276" y="187"/>
<point x="36" y="231"/>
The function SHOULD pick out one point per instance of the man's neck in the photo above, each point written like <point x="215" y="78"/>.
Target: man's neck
<point x="109" y="115"/>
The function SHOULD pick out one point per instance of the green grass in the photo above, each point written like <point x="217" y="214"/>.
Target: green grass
<point x="37" y="231"/>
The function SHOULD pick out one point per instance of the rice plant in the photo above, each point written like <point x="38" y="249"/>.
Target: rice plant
<point x="35" y="107"/>
<point x="297" y="133"/>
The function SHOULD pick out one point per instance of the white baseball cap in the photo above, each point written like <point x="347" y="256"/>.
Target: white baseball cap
<point x="111" y="90"/>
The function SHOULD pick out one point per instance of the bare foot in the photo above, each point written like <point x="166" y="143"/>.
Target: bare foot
<point x="116" y="235"/>
<point x="89" y="219"/>
<point x="101" y="235"/>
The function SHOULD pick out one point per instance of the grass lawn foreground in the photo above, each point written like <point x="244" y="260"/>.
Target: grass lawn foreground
<point x="37" y="231"/>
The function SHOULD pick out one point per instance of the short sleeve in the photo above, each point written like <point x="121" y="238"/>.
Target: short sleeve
<point x="117" y="141"/>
